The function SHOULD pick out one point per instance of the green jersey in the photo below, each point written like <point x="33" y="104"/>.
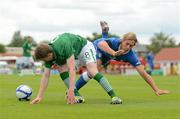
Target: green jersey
<point x="64" y="46"/>
<point x="27" y="49"/>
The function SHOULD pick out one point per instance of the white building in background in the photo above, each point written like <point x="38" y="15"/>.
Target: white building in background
<point x="17" y="51"/>
<point x="11" y="54"/>
<point x="169" y="60"/>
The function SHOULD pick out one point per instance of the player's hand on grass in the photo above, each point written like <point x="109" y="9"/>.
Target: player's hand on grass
<point x="70" y="97"/>
<point x="36" y="100"/>
<point x="161" y="92"/>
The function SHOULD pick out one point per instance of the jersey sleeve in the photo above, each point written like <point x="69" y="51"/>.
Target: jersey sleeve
<point x="48" y="65"/>
<point x="133" y="59"/>
<point x="112" y="40"/>
<point x="113" y="43"/>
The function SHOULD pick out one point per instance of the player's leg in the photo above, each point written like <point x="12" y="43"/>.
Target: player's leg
<point x="64" y="74"/>
<point x="92" y="69"/>
<point x="104" y="28"/>
<point x="85" y="77"/>
<point x="89" y="55"/>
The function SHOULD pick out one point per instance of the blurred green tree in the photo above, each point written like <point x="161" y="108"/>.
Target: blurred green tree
<point x="18" y="40"/>
<point x="2" y="48"/>
<point x="179" y="45"/>
<point x="161" y="40"/>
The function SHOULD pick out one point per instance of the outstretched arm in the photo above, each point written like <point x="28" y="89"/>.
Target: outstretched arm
<point x="150" y="81"/>
<point x="43" y="86"/>
<point x="72" y="75"/>
<point x="103" y="45"/>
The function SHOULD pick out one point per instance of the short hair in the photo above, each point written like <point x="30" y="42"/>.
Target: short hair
<point x="42" y="51"/>
<point x="130" y="36"/>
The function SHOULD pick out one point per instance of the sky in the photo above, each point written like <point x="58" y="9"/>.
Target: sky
<point x="44" y="19"/>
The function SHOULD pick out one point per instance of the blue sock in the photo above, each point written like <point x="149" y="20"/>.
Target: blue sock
<point x="80" y="83"/>
<point x="104" y="35"/>
<point x="84" y="78"/>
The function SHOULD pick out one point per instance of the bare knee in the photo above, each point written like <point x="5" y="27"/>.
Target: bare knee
<point x="92" y="69"/>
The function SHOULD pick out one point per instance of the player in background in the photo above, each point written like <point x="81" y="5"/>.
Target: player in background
<point x="150" y="61"/>
<point x="27" y="48"/>
<point x="119" y="50"/>
<point x="63" y="51"/>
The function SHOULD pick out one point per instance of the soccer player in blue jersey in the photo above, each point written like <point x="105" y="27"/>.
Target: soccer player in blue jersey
<point x="119" y="50"/>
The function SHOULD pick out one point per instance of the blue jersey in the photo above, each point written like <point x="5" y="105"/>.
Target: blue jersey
<point x="114" y="44"/>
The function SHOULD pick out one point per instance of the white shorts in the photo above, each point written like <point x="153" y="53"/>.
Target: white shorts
<point x="87" y="55"/>
<point x="29" y="59"/>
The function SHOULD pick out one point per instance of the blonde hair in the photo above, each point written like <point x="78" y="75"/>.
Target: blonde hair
<point x="130" y="36"/>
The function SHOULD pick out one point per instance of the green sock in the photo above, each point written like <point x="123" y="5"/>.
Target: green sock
<point x="65" y="77"/>
<point x="105" y="84"/>
<point x="76" y="93"/>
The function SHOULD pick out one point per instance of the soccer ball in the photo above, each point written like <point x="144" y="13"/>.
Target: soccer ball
<point x="23" y="93"/>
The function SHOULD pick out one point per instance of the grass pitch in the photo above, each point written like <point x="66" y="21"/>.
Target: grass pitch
<point x="139" y="101"/>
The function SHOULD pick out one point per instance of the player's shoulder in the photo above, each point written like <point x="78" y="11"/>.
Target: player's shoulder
<point x="114" y="39"/>
<point x="99" y="40"/>
<point x="131" y="53"/>
<point x="70" y="35"/>
<point x="60" y="38"/>
<point x="65" y="34"/>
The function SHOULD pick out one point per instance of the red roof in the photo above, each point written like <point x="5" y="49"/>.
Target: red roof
<point x="172" y="54"/>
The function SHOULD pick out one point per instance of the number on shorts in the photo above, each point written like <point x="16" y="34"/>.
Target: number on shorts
<point x="87" y="55"/>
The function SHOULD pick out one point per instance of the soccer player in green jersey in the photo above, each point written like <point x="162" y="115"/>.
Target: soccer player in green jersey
<point x="69" y="51"/>
<point x="27" y="47"/>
